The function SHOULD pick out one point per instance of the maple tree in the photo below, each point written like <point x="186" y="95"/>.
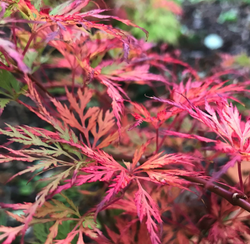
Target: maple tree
<point x="155" y="163"/>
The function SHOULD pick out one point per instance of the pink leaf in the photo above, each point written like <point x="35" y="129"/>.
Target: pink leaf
<point x="147" y="208"/>
<point x="10" y="49"/>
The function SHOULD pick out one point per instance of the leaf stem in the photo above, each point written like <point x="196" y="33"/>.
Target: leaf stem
<point x="157" y="140"/>
<point x="240" y="176"/>
<point x="32" y="36"/>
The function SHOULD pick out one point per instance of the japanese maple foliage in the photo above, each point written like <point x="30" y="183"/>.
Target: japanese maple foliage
<point x="148" y="171"/>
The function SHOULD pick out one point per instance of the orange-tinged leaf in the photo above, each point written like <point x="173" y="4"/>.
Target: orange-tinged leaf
<point x="53" y="233"/>
<point x="104" y="125"/>
<point x="138" y="154"/>
<point x="17" y="217"/>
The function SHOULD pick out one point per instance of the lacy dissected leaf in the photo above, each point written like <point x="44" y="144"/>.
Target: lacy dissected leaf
<point x="57" y="210"/>
<point x="41" y="198"/>
<point x="66" y="229"/>
<point x="53" y="232"/>
<point x="126" y="203"/>
<point x="104" y="172"/>
<point x="64" y="16"/>
<point x="23" y="135"/>
<point x="210" y="89"/>
<point x="127" y="230"/>
<point x="67" y="221"/>
<point x="97" y="125"/>
<point x="75" y="54"/>
<point x="78" y="62"/>
<point x="63" y="19"/>
<point x="9" y="233"/>
<point x="114" y="91"/>
<point x="16" y="206"/>
<point x="142" y="114"/>
<point x="9" y="83"/>
<point x="91" y="119"/>
<point x="223" y="217"/>
<point x="232" y="231"/>
<point x="138" y="154"/>
<point x="111" y="138"/>
<point x="136" y="71"/>
<point x="18" y="217"/>
<point x="86" y="225"/>
<point x="226" y="122"/>
<point x="108" y="170"/>
<point x="161" y="169"/>
<point x="121" y="181"/>
<point x="47" y="152"/>
<point x="198" y="92"/>
<point x="27" y="136"/>
<point x="41" y="111"/>
<point x="148" y="209"/>
<point x="14" y="155"/>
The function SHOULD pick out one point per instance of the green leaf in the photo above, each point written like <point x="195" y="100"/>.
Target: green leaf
<point x="25" y="189"/>
<point x="70" y="202"/>
<point x="41" y="231"/>
<point x="3" y="217"/>
<point x="60" y="7"/>
<point x="242" y="60"/>
<point x="9" y="82"/>
<point x="9" y="9"/>
<point x="37" y="4"/>
<point x="30" y="57"/>
<point x="228" y="16"/>
<point x="97" y="60"/>
<point x="113" y="67"/>
<point x="4" y="102"/>
<point x="155" y="20"/>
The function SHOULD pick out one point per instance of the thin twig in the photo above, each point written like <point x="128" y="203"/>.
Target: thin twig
<point x="235" y="198"/>
<point x="240" y="176"/>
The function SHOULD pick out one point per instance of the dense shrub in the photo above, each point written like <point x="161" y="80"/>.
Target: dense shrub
<point x="133" y="132"/>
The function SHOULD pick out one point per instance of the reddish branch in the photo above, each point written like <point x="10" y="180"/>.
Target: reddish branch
<point x="235" y="198"/>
